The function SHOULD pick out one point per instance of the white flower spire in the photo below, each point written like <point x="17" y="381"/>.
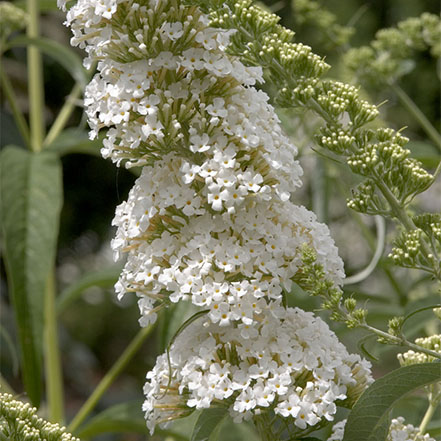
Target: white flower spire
<point x="210" y="219"/>
<point x="210" y="211"/>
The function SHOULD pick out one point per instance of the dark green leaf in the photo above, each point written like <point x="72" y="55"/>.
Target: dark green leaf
<point x="434" y="429"/>
<point x="104" y="278"/>
<point x="43" y="5"/>
<point x="4" y="335"/>
<point x="76" y="141"/>
<point x="30" y="204"/>
<point x="125" y="417"/>
<point x="64" y="55"/>
<point x="171" y="319"/>
<point x="369" y="415"/>
<point x="208" y="424"/>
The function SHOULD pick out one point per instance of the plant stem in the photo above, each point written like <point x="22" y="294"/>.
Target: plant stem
<point x="110" y="377"/>
<point x="64" y="115"/>
<point x="16" y="112"/>
<point x="408" y="103"/>
<point x="35" y="80"/>
<point x="400" y="213"/>
<point x="54" y="379"/>
<point x="433" y="404"/>
<point x="401" y="341"/>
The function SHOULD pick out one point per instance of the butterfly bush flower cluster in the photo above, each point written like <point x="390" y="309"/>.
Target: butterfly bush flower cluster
<point x="210" y="219"/>
<point x="290" y="361"/>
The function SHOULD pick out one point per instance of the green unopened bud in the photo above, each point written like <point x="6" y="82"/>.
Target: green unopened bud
<point x="350" y="304"/>
<point x="395" y="325"/>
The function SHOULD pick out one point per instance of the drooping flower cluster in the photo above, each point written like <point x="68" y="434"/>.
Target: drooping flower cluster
<point x="291" y="361"/>
<point x="210" y="218"/>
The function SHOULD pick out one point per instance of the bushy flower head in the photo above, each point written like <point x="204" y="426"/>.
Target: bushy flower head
<point x="291" y="362"/>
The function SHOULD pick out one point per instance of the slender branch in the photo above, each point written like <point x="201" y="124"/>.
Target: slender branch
<point x="366" y="272"/>
<point x="401" y="341"/>
<point x="110" y="377"/>
<point x="54" y="379"/>
<point x="408" y="103"/>
<point x="64" y="115"/>
<point x="35" y="79"/>
<point x="401" y="214"/>
<point x="16" y="112"/>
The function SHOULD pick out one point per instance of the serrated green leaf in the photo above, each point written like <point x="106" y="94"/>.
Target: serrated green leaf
<point x="208" y="425"/>
<point x="76" y="141"/>
<point x="64" y="55"/>
<point x="104" y="278"/>
<point x="367" y="419"/>
<point x="30" y="204"/>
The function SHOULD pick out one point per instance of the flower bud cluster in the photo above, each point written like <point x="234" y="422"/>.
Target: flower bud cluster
<point x="20" y="421"/>
<point x="408" y="246"/>
<point x="392" y="178"/>
<point x="290" y="362"/>
<point x="210" y="219"/>
<point x="411" y="357"/>
<point x="389" y="56"/>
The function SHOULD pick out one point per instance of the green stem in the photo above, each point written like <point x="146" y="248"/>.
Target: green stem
<point x="16" y="112"/>
<point x="401" y="214"/>
<point x="401" y="341"/>
<point x="64" y="115"/>
<point x="433" y="404"/>
<point x="370" y="239"/>
<point x="35" y="79"/>
<point x="54" y="379"/>
<point x="408" y="103"/>
<point x="110" y="377"/>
